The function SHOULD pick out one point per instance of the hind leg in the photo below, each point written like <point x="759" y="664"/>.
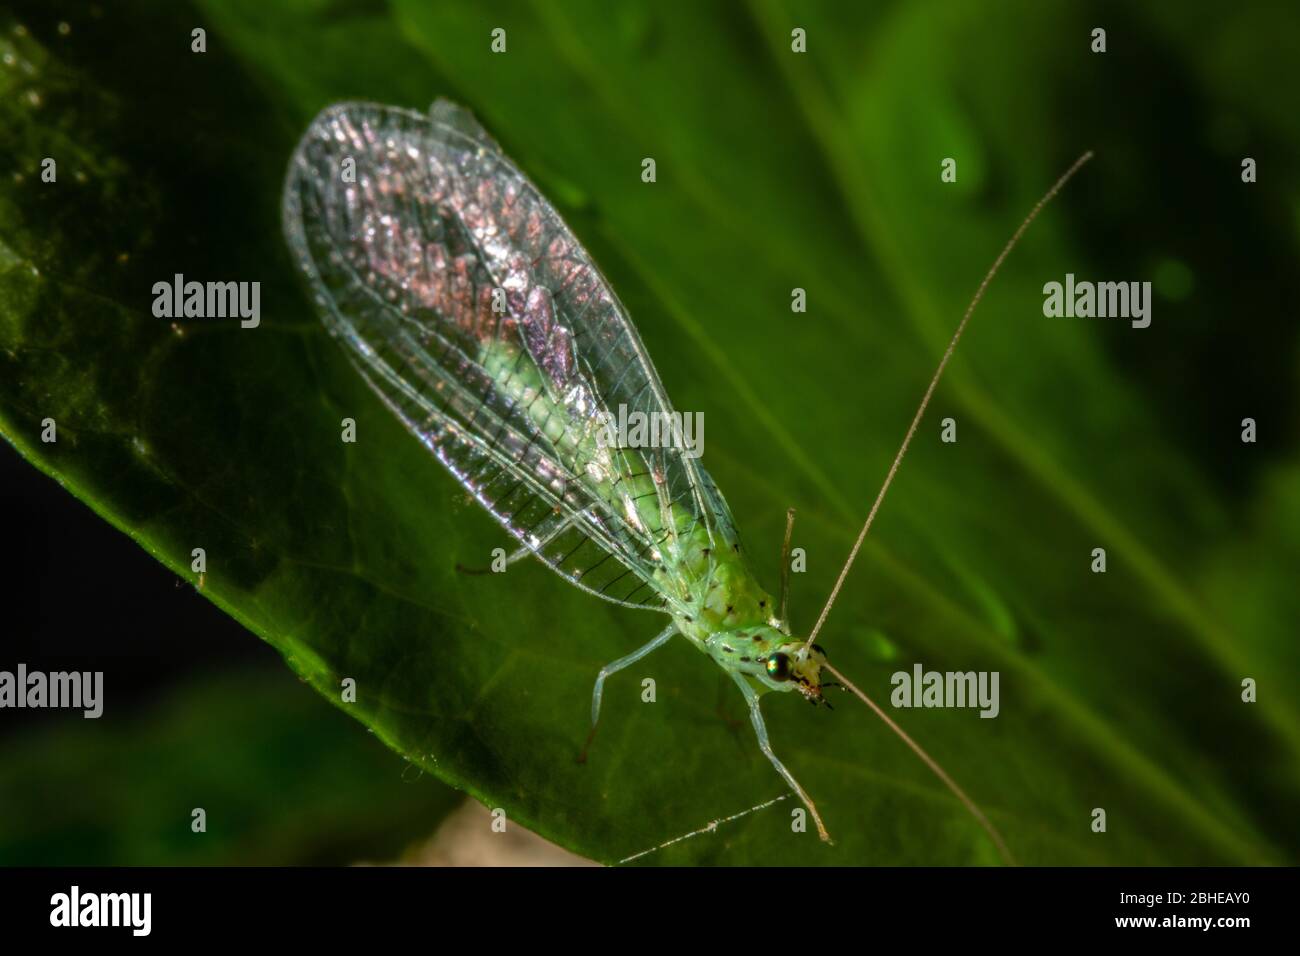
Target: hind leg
<point x="523" y="552"/>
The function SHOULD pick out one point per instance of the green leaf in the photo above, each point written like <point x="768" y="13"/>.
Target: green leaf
<point x="776" y="170"/>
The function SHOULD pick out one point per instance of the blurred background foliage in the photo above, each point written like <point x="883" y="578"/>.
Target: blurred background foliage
<point x="775" y="171"/>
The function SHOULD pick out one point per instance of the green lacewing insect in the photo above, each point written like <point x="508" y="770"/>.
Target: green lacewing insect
<point x="473" y="312"/>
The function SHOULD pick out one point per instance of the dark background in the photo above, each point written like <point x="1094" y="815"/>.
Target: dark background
<point x="188" y="695"/>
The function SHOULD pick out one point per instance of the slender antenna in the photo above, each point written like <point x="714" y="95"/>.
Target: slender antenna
<point x="925" y="400"/>
<point x="930" y="762"/>
<point x="785" y="570"/>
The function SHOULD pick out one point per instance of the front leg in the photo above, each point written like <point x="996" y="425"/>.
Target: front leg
<point x="760" y="728"/>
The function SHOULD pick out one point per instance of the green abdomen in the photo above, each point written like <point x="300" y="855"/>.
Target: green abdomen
<point x="704" y="573"/>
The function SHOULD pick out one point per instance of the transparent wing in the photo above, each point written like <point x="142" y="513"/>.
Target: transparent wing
<point x="407" y="227"/>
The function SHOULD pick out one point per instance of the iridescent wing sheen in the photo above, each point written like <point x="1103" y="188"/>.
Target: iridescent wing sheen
<point x="403" y="251"/>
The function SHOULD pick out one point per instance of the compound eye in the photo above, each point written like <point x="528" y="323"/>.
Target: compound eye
<point x="778" y="667"/>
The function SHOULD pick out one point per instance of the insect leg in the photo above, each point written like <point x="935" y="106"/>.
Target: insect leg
<point x="510" y="559"/>
<point x="660" y="639"/>
<point x="522" y="552"/>
<point x="760" y="728"/>
<point x="612" y="668"/>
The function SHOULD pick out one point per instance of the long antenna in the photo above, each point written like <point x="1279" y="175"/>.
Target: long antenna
<point x="785" y="571"/>
<point x="930" y="762"/>
<point x="925" y="400"/>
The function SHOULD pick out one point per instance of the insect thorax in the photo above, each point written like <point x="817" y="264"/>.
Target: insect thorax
<point x="725" y="595"/>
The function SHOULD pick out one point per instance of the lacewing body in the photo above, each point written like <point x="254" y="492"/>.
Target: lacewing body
<point x="476" y="316"/>
<point x="474" y="313"/>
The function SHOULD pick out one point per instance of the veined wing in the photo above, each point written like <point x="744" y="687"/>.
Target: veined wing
<point x="408" y="227"/>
